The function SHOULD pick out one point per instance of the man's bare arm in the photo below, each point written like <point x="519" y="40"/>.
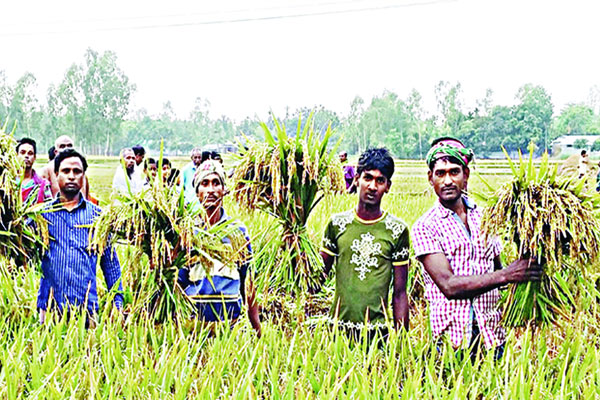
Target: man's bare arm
<point x="400" y="298"/>
<point x="466" y="287"/>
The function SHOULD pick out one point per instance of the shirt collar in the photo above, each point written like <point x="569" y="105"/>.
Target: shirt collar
<point x="82" y="202"/>
<point x="445" y="212"/>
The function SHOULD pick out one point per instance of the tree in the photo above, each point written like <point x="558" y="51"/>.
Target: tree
<point x="532" y="117"/>
<point x="575" y="119"/>
<point x="580" y="144"/>
<point x="92" y="101"/>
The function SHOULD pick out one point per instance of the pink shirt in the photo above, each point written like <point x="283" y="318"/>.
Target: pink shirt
<point x="440" y="230"/>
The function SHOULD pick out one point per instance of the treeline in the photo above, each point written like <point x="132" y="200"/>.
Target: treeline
<point x="92" y="104"/>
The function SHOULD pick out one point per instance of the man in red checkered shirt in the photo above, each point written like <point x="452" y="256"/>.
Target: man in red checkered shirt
<point x="462" y="272"/>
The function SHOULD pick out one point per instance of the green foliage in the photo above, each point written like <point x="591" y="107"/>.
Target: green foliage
<point x="286" y="177"/>
<point x="171" y="234"/>
<point x="580" y="144"/>
<point x="23" y="230"/>
<point x="549" y="218"/>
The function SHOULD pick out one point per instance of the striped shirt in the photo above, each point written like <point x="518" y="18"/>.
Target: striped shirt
<point x="69" y="269"/>
<point x="440" y="230"/>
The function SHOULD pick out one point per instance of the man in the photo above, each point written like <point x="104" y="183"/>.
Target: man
<point x="583" y="163"/>
<point x="139" y="153"/>
<point x="220" y="295"/>
<point x="125" y="179"/>
<point x="189" y="171"/>
<point x="69" y="269"/>
<point x="370" y="248"/>
<point x="150" y="169"/>
<point x="349" y="172"/>
<point x="462" y="273"/>
<point x="170" y="175"/>
<point x="61" y="143"/>
<point x="33" y="188"/>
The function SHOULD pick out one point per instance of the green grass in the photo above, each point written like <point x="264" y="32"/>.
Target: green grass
<point x="135" y="359"/>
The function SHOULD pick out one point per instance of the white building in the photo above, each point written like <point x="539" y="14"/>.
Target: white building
<point x="566" y="145"/>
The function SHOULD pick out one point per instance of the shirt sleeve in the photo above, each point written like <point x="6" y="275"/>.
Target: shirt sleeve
<point x="423" y="240"/>
<point x="496" y="247"/>
<point x="329" y="244"/>
<point x="112" y="273"/>
<point x="401" y="254"/>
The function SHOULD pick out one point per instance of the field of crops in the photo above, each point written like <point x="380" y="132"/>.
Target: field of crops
<point x="298" y="356"/>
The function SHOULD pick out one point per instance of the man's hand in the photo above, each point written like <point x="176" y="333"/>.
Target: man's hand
<point x="523" y="270"/>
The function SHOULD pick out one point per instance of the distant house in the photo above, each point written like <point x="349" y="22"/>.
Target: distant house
<point x="568" y="145"/>
<point x="221" y="148"/>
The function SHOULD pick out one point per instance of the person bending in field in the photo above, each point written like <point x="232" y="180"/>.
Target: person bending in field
<point x="349" y="173"/>
<point x="220" y="296"/>
<point x="62" y="143"/>
<point x="462" y="272"/>
<point x="69" y="269"/>
<point x="370" y="249"/>
<point x="34" y="189"/>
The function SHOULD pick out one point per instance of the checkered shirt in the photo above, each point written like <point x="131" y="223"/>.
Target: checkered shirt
<point x="440" y="230"/>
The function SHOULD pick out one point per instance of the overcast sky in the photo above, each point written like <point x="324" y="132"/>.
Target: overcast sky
<point x="247" y="57"/>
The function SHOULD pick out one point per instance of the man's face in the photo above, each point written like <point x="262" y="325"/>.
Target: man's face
<point x="210" y="192"/>
<point x="343" y="157"/>
<point x="165" y="171"/>
<point x="63" y="143"/>
<point x="197" y="158"/>
<point x="27" y="155"/>
<point x="70" y="176"/>
<point x="448" y="180"/>
<point x="129" y="158"/>
<point x="139" y="158"/>
<point x="372" y="185"/>
<point x="151" y="171"/>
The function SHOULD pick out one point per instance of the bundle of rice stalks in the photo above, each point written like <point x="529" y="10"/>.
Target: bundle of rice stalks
<point x="286" y="177"/>
<point x="23" y="230"/>
<point x="549" y="218"/>
<point x="172" y="234"/>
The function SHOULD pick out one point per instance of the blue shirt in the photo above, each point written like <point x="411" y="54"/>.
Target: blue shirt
<point x="188" y="182"/>
<point x="220" y="295"/>
<point x="69" y="269"/>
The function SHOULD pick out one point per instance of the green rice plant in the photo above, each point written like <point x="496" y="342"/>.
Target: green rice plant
<point x="172" y="235"/>
<point x="23" y="230"/>
<point x="287" y="177"/>
<point x="553" y="220"/>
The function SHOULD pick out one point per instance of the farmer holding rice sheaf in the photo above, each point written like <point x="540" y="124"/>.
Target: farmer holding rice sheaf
<point x="32" y="184"/>
<point x="462" y="272"/>
<point x="370" y="248"/>
<point x="220" y="295"/>
<point x="69" y="269"/>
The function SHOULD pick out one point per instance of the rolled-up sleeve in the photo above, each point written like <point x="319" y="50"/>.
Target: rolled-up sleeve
<point x="112" y="274"/>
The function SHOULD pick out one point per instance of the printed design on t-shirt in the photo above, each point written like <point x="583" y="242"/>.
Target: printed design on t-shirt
<point x="342" y="221"/>
<point x="364" y="254"/>
<point x="328" y="243"/>
<point x="400" y="254"/>
<point x="395" y="226"/>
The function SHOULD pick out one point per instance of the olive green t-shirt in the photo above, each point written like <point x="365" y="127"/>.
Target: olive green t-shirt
<point x="365" y="254"/>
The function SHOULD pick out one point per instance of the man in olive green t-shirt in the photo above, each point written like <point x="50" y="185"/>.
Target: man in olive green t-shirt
<point x="370" y="248"/>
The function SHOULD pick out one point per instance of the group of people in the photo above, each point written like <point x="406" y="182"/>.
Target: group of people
<point x="370" y="250"/>
<point x="368" y="247"/>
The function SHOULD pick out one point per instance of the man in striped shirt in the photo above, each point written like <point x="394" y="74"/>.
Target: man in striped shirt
<point x="69" y="269"/>
<point x="462" y="272"/>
